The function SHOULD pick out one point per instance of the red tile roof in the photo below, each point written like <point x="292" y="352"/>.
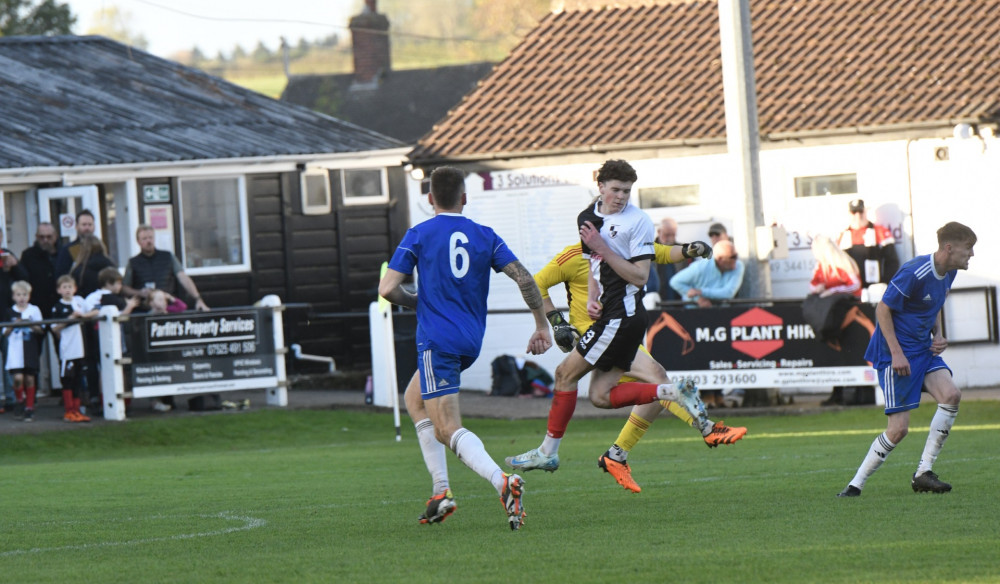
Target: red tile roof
<point x="652" y="75"/>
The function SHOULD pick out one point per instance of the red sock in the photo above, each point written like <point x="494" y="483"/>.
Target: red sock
<point x="76" y="404"/>
<point x="30" y="404"/>
<point x="19" y="394"/>
<point x="560" y="412"/>
<point x="632" y="393"/>
<point x="68" y="400"/>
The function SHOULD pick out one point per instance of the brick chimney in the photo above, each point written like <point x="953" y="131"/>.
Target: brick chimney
<point x="370" y="35"/>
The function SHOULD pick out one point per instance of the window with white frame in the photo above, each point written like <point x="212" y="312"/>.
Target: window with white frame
<point x="314" y="187"/>
<point x="214" y="226"/>
<point x="830" y="184"/>
<point x="364" y="186"/>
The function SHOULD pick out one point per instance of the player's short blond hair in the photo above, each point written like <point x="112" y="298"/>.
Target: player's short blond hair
<point x="21" y="286"/>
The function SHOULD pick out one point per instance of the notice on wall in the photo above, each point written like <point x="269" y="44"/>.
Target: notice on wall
<point x="198" y="352"/>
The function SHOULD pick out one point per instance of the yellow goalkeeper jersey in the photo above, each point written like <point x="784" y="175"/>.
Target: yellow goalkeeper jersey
<point x="570" y="268"/>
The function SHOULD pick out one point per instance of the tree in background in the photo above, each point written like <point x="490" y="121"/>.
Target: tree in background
<point x="116" y="24"/>
<point x="22" y="17"/>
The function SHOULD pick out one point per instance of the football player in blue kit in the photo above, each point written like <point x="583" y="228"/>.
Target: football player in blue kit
<point x="906" y="350"/>
<point x="455" y="257"/>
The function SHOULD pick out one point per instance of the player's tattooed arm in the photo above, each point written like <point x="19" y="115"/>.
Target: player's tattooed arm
<point x="526" y="282"/>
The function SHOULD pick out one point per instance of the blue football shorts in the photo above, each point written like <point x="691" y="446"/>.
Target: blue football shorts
<point x="441" y="373"/>
<point x="902" y="392"/>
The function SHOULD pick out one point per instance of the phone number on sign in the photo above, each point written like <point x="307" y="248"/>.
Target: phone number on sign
<point x="718" y="378"/>
<point x="231" y="348"/>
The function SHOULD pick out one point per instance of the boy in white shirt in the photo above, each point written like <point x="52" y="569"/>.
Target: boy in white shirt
<point x="23" y="348"/>
<point x="71" y="353"/>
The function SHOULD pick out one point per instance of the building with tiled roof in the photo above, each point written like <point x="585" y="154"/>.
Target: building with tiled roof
<point x="896" y="103"/>
<point x="650" y="76"/>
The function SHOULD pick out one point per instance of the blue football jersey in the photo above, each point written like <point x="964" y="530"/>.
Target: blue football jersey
<point x="916" y="295"/>
<point x="453" y="256"/>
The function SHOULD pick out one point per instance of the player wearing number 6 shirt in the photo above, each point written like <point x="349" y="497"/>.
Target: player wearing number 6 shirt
<point x="906" y="350"/>
<point x="455" y="257"/>
<point x="617" y="240"/>
<point x="571" y="269"/>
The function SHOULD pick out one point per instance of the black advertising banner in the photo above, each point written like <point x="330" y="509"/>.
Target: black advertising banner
<point x="752" y="346"/>
<point x="197" y="352"/>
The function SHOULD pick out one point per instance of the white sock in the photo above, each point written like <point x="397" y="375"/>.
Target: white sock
<point x="550" y="445"/>
<point x="617" y="454"/>
<point x="470" y="450"/>
<point x="880" y="449"/>
<point x="435" y="455"/>
<point x="941" y="425"/>
<point x="706" y="426"/>
<point x="667" y="391"/>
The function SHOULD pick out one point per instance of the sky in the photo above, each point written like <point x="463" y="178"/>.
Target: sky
<point x="213" y="25"/>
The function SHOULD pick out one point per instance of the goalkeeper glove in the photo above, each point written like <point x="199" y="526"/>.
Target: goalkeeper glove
<point x="563" y="332"/>
<point x="698" y="249"/>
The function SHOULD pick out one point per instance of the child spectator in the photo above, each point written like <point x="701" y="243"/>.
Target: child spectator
<point x="162" y="303"/>
<point x="110" y="282"/>
<point x="71" y="355"/>
<point x="23" y="348"/>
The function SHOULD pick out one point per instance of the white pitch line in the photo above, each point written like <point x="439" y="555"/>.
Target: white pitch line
<point x="248" y="523"/>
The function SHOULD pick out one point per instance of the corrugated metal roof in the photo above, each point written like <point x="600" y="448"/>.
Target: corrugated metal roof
<point x="652" y="74"/>
<point x="75" y="101"/>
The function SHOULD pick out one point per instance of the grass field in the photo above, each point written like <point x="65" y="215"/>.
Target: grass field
<point x="328" y="496"/>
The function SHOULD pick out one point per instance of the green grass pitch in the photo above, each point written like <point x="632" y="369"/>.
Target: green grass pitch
<point x="329" y="496"/>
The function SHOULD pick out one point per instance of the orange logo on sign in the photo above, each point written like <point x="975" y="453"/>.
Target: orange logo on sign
<point x="757" y="333"/>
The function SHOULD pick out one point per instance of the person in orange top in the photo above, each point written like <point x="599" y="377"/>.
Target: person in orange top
<point x="871" y="246"/>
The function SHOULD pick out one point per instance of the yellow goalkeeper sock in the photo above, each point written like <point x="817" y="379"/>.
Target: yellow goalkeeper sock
<point x="633" y="431"/>
<point x="678" y="411"/>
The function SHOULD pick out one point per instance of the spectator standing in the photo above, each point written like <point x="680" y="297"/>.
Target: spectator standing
<point x="871" y="246"/>
<point x="39" y="261"/>
<point x="85" y="225"/>
<point x="23" y="348"/>
<point x="109" y="294"/>
<point x="91" y="259"/>
<point x="71" y="349"/>
<point x="667" y="235"/>
<point x="157" y="269"/>
<point x="713" y="279"/>
<point x="10" y="271"/>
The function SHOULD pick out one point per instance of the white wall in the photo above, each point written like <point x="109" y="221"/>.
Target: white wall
<point x="536" y="216"/>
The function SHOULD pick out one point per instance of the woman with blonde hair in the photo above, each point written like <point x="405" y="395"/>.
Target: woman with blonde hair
<point x="836" y="272"/>
<point x="93" y="258"/>
<point x="832" y="304"/>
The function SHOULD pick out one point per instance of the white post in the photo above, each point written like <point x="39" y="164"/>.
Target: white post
<point x="112" y="376"/>
<point x="277" y="396"/>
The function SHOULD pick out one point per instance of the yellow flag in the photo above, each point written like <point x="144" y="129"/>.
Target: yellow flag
<point x="383" y="304"/>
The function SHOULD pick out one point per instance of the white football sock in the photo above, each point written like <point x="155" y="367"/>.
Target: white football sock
<point x="470" y="450"/>
<point x="941" y="425"/>
<point x="550" y="445"/>
<point x="667" y="391"/>
<point x="435" y="455"/>
<point x="879" y="450"/>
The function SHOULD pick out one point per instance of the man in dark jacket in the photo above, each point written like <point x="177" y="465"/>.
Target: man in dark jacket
<point x="39" y="261"/>
<point x="85" y="225"/>
<point x="157" y="269"/>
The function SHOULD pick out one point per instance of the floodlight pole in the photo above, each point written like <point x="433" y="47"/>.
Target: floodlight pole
<point x="743" y="135"/>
